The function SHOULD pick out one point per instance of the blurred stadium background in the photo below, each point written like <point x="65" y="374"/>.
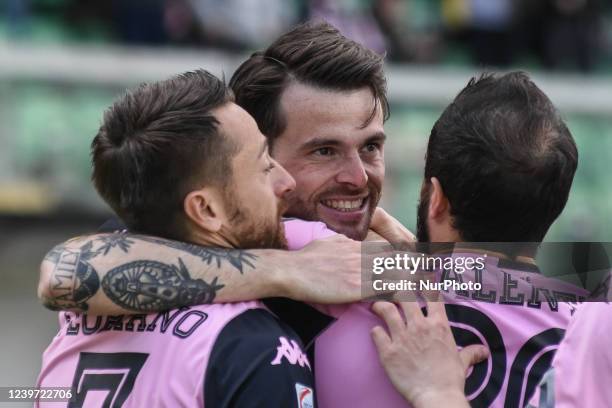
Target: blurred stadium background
<point x="62" y="62"/>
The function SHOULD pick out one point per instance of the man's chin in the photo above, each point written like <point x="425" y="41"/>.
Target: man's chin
<point x="357" y="231"/>
<point x="353" y="224"/>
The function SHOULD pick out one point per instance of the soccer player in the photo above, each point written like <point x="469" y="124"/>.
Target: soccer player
<point x="178" y="159"/>
<point x="320" y="99"/>
<point x="499" y="166"/>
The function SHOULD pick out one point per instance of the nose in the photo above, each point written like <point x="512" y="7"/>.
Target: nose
<point x="284" y="183"/>
<point x="353" y="172"/>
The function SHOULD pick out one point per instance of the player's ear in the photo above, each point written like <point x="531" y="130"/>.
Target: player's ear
<point x="204" y="208"/>
<point x="439" y="207"/>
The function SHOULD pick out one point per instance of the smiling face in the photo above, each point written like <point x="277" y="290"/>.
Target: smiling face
<point x="334" y="154"/>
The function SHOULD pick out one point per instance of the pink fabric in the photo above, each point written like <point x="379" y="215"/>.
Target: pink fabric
<point x="583" y="364"/>
<point x="348" y="372"/>
<point x="301" y="233"/>
<point x="173" y="373"/>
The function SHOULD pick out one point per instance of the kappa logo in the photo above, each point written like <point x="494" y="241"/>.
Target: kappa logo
<point x="292" y="352"/>
<point x="305" y="396"/>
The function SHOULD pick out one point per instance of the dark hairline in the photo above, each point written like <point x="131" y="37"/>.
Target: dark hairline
<point x="293" y="80"/>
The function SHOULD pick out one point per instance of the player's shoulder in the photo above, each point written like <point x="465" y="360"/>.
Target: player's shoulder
<point x="595" y="318"/>
<point x="254" y="328"/>
<point x="259" y="339"/>
<point x="256" y="361"/>
<point x="258" y="334"/>
<point x="220" y="315"/>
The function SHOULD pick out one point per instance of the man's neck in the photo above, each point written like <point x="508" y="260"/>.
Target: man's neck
<point x="211" y="240"/>
<point x="493" y="249"/>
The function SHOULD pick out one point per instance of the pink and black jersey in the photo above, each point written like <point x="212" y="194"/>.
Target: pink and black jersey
<point x="521" y="333"/>
<point x="220" y="355"/>
<point x="522" y="329"/>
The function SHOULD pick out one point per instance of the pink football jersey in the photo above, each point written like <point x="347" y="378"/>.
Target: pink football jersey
<point x="522" y="328"/>
<point x="136" y="361"/>
<point x="164" y="359"/>
<point x="522" y="336"/>
<point x="582" y="367"/>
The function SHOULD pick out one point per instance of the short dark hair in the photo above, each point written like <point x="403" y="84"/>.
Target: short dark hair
<point x="504" y="158"/>
<point x="156" y="144"/>
<point x="313" y="53"/>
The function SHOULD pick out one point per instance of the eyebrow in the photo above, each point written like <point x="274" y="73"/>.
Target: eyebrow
<point x="318" y="142"/>
<point x="326" y="141"/>
<point x="377" y="137"/>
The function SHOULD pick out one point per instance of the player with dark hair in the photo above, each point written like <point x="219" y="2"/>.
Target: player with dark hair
<point x="320" y="98"/>
<point x="499" y="166"/>
<point x="183" y="150"/>
<point x="178" y="158"/>
<point x="516" y="158"/>
<point x="331" y="141"/>
<point x="207" y="273"/>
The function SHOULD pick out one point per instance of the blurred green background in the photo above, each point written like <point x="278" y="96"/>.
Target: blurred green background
<point x="47" y="129"/>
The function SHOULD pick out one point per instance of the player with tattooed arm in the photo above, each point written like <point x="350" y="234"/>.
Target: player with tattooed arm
<point x="320" y="100"/>
<point x="178" y="159"/>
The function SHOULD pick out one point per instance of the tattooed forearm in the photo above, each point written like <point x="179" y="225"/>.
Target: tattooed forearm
<point x="238" y="258"/>
<point x="57" y="306"/>
<point x="102" y="244"/>
<point x="151" y="286"/>
<point x="73" y="281"/>
<point x="142" y="285"/>
<point x="134" y="274"/>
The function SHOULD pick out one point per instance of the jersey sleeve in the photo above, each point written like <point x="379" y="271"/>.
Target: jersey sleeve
<point x="257" y="361"/>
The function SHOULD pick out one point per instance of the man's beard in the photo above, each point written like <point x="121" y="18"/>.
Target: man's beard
<point x="306" y="209"/>
<point x="252" y="233"/>
<point x="262" y="235"/>
<point x="422" y="209"/>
